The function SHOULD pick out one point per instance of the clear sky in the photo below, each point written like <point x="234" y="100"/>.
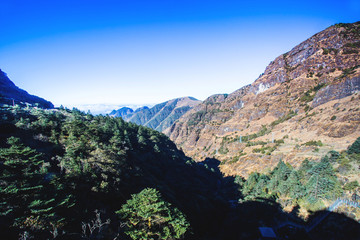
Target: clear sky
<point x="140" y="52"/>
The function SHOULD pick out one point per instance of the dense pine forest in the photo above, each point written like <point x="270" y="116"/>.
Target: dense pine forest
<point x="65" y="174"/>
<point x="82" y="176"/>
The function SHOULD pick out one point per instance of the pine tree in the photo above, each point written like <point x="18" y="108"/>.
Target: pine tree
<point x="296" y="189"/>
<point x="355" y="147"/>
<point x="29" y="199"/>
<point x="250" y="183"/>
<point x="21" y="174"/>
<point x="305" y="166"/>
<point x="323" y="182"/>
<point x="149" y="217"/>
<point x="333" y="155"/>
<point x="279" y="177"/>
<point x="260" y="189"/>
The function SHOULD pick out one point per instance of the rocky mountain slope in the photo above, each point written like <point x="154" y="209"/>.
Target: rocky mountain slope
<point x="10" y="93"/>
<point x="304" y="104"/>
<point x="161" y="116"/>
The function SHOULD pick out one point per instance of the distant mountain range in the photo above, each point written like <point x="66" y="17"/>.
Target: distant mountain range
<point x="103" y="108"/>
<point x="159" y="117"/>
<point x="11" y="94"/>
<point x="122" y="112"/>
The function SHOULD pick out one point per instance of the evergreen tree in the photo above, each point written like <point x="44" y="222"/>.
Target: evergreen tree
<point x="333" y="155"/>
<point x="260" y="189"/>
<point x="355" y="147"/>
<point x="305" y="166"/>
<point x="21" y="175"/>
<point x="19" y="165"/>
<point x="296" y="189"/>
<point x="279" y="177"/>
<point x="323" y="182"/>
<point x="250" y="183"/>
<point x="149" y="217"/>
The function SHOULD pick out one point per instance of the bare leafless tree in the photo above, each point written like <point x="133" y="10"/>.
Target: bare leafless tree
<point x="88" y="229"/>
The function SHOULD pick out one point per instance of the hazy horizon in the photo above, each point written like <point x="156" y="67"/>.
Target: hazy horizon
<point x="120" y="53"/>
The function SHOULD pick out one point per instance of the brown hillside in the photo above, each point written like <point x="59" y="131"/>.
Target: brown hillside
<point x="307" y="95"/>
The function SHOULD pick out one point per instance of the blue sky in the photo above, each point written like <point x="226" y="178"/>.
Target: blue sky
<point x="140" y="52"/>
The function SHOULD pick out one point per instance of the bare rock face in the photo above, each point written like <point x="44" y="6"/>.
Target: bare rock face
<point x="337" y="91"/>
<point x="310" y="93"/>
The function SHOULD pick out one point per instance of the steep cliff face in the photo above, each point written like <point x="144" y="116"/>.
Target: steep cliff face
<point x="161" y="116"/>
<point x="11" y="94"/>
<point x="307" y="94"/>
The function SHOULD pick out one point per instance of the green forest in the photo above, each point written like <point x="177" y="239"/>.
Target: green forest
<point x="65" y="174"/>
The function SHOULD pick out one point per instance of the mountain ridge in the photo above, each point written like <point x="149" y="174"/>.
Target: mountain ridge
<point x="285" y="103"/>
<point x="159" y="117"/>
<point x="11" y="94"/>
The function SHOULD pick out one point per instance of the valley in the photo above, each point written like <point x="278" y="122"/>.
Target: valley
<point x="281" y="154"/>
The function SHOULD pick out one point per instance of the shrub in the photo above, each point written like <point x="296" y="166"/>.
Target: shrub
<point x="348" y="71"/>
<point x="351" y="185"/>
<point x="283" y="119"/>
<point x="333" y="155"/>
<point x="350" y="51"/>
<point x="313" y="143"/>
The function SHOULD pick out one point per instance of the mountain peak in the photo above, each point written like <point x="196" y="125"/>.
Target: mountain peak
<point x="160" y="116"/>
<point x="10" y="93"/>
<point x="307" y="94"/>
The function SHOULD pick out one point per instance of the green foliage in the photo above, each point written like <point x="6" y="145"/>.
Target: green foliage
<point x="18" y="158"/>
<point x="196" y="118"/>
<point x="265" y="149"/>
<point x="310" y="184"/>
<point x="58" y="166"/>
<point x="250" y="183"/>
<point x="326" y="51"/>
<point x="307" y="108"/>
<point x="263" y="131"/>
<point x="223" y="149"/>
<point x="284" y="118"/>
<point x="348" y="71"/>
<point x="351" y="30"/>
<point x="353" y="45"/>
<point x="350" y="51"/>
<point x="310" y="94"/>
<point x="322" y="183"/>
<point x="350" y="186"/>
<point x="307" y="97"/>
<point x="355" y="147"/>
<point x="318" y="87"/>
<point x="310" y="74"/>
<point x="295" y="189"/>
<point x="255" y="143"/>
<point x="278" y="178"/>
<point x="333" y="155"/>
<point x="25" y="197"/>
<point x="147" y="216"/>
<point x="313" y="143"/>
